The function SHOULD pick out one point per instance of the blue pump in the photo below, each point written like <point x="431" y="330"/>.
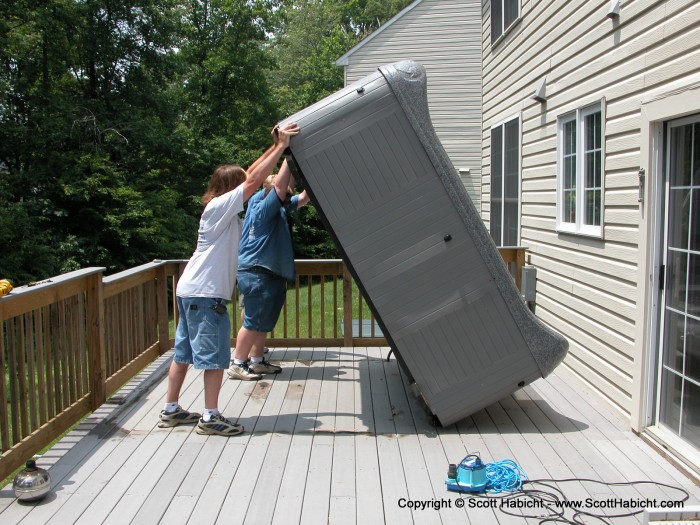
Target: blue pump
<point x="468" y="476"/>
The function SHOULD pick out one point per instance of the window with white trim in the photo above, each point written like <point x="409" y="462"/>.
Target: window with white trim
<point x="504" y="13"/>
<point x="580" y="171"/>
<point x="505" y="183"/>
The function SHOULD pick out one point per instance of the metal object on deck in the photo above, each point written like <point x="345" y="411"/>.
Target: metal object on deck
<point x="416" y="246"/>
<point x="5" y="287"/>
<point x="31" y="483"/>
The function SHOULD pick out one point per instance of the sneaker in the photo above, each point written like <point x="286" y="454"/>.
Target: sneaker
<point x="242" y="372"/>
<point x="179" y="417"/>
<point x="218" y="425"/>
<point x="265" y="367"/>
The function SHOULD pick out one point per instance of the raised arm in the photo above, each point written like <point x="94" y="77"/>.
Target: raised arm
<point x="262" y="168"/>
<point x="303" y="199"/>
<point x="282" y="181"/>
<point x="291" y="183"/>
<point x="275" y="140"/>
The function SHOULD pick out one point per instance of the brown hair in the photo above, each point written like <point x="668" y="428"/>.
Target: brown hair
<point x="225" y="178"/>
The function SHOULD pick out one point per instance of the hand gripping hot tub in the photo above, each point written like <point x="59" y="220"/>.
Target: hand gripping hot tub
<point x="416" y="246"/>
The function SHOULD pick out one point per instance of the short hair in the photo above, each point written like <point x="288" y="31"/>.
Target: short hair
<point x="268" y="183"/>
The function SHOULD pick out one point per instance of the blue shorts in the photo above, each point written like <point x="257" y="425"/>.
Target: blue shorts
<point x="203" y="336"/>
<point x="263" y="294"/>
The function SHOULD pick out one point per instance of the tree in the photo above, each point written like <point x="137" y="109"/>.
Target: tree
<point x="112" y="118"/>
<point x="365" y="16"/>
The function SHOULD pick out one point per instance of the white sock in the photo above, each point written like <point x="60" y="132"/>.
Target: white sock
<point x="209" y="413"/>
<point x="169" y="408"/>
<point x="239" y="362"/>
<point x="256" y="360"/>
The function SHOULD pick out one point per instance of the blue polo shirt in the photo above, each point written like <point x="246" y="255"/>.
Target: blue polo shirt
<point x="265" y="238"/>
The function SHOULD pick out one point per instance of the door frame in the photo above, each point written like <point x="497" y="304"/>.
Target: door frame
<point x="655" y="112"/>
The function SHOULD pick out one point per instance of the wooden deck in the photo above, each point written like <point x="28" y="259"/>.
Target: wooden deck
<point x="335" y="438"/>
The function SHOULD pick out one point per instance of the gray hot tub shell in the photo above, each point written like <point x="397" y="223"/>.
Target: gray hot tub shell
<point x="413" y="240"/>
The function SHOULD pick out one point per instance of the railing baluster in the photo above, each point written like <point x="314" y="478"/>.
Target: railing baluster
<point x="70" y="349"/>
<point x="22" y="376"/>
<point x="4" y="415"/>
<point x="335" y="305"/>
<point x="14" y="379"/>
<point x="323" y="305"/>
<point x="162" y="311"/>
<point x="56" y="352"/>
<point x="83" y="358"/>
<point x="347" y="307"/>
<point x="359" y="314"/>
<point x="29" y="363"/>
<point x="285" y="321"/>
<point x="46" y="323"/>
<point x="309" y="307"/>
<point x="296" y="306"/>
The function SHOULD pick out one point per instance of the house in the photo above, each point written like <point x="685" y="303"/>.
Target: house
<point x="590" y="158"/>
<point x="444" y="36"/>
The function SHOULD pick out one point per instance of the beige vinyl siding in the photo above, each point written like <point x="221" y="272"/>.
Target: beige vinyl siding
<point x="445" y="37"/>
<point x="587" y="287"/>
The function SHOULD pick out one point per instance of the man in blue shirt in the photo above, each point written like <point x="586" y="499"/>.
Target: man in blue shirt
<point x="265" y="264"/>
<point x="202" y="339"/>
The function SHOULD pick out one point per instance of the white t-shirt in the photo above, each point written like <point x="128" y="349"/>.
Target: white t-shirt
<point x="211" y="271"/>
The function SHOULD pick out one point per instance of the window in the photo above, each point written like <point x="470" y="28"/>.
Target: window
<point x="504" y="13"/>
<point x="505" y="182"/>
<point x="580" y="171"/>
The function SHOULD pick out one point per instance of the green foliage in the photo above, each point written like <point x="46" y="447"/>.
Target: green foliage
<point x="113" y="115"/>
<point x="311" y="240"/>
<point x="311" y="40"/>
<point x="364" y="16"/>
<point x="313" y="35"/>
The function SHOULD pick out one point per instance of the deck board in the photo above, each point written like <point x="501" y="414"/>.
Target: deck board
<point x="290" y="499"/>
<point x="338" y="437"/>
<point x="606" y="440"/>
<point x="418" y="481"/>
<point x="343" y="502"/>
<point x="593" y="446"/>
<point x="316" y="502"/>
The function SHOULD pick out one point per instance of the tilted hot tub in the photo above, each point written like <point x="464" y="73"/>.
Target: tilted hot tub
<point x="416" y="246"/>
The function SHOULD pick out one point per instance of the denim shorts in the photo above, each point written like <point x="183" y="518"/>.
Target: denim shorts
<point x="203" y="336"/>
<point x="264" y="294"/>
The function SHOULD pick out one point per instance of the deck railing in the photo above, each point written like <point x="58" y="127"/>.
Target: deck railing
<point x="70" y="342"/>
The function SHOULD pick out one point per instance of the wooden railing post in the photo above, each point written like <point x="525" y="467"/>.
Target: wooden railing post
<point x="162" y="307"/>
<point x="519" y="263"/>
<point x="514" y="257"/>
<point x="96" y="340"/>
<point x="347" y="307"/>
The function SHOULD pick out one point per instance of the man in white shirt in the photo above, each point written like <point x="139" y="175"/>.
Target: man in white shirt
<point x="202" y="338"/>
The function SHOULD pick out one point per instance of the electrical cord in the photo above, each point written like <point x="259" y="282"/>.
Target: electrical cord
<point x="504" y="476"/>
<point x="507" y="481"/>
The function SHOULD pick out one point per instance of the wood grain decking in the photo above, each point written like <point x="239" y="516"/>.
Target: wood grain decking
<point x="335" y="438"/>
